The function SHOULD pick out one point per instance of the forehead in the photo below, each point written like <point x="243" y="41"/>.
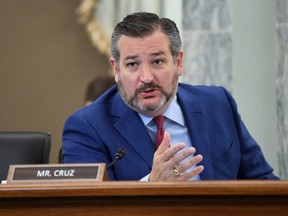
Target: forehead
<point x="155" y="43"/>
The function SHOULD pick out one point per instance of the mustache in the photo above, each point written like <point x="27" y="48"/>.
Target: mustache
<point x="147" y="86"/>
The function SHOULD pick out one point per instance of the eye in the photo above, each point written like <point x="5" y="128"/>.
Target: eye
<point x="158" y="62"/>
<point x="131" y="64"/>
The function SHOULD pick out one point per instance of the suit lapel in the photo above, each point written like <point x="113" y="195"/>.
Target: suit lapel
<point x="131" y="128"/>
<point x="194" y="115"/>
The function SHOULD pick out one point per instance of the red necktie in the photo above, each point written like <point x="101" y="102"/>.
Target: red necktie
<point x="159" y="120"/>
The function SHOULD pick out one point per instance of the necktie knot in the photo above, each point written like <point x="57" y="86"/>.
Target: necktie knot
<point x="159" y="120"/>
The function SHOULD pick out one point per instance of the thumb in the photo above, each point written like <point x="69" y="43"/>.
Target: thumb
<point x="165" y="144"/>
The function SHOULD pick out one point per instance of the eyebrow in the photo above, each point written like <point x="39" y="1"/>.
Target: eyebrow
<point x="158" y="54"/>
<point x="132" y="57"/>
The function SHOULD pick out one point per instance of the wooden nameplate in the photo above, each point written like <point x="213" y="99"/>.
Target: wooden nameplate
<point x="38" y="173"/>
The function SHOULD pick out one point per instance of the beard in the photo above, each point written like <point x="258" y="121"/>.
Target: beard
<point x="134" y="103"/>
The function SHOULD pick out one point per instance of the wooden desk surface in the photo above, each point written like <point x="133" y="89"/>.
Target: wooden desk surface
<point x="146" y="198"/>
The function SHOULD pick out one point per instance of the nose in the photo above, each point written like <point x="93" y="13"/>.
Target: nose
<point x="146" y="74"/>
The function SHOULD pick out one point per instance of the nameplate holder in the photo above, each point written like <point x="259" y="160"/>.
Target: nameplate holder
<point x="49" y="173"/>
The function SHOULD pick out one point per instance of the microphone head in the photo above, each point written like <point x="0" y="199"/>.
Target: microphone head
<point x="120" y="153"/>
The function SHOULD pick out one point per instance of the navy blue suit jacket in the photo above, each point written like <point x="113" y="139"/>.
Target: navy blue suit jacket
<point x="95" y="133"/>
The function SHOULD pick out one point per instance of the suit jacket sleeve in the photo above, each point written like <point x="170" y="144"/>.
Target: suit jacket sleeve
<point x="252" y="164"/>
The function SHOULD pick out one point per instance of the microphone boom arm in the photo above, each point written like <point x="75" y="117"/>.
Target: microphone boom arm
<point x="118" y="156"/>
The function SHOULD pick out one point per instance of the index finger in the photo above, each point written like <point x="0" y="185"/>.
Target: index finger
<point x="165" y="144"/>
<point x="170" y="152"/>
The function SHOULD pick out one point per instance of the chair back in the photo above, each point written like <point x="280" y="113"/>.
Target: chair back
<point x="23" y="148"/>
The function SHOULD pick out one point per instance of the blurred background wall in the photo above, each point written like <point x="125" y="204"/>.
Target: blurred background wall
<point x="46" y="61"/>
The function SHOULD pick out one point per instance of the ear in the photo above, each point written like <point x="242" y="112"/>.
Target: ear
<point x="115" y="69"/>
<point x="179" y="63"/>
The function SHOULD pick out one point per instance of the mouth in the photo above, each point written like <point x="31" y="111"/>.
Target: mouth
<point x="149" y="92"/>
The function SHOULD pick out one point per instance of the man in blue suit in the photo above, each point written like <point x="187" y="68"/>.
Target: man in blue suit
<point x="204" y="137"/>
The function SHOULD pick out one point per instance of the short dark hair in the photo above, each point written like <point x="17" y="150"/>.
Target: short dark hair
<point x="142" y="24"/>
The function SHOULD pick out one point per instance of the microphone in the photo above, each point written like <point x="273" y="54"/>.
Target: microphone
<point x="118" y="156"/>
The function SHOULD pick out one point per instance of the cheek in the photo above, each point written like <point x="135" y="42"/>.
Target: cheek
<point x="169" y="82"/>
<point x="129" y="78"/>
<point x="167" y="79"/>
<point x="128" y="83"/>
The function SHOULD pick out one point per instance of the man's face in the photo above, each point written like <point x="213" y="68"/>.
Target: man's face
<point x="147" y="75"/>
